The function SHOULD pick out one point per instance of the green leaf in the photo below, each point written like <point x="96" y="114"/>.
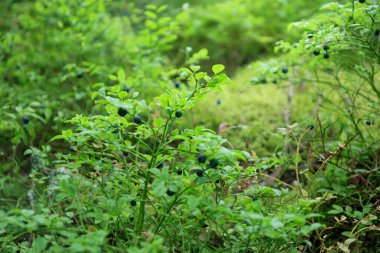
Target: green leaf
<point x="339" y="208"/>
<point x="121" y="75"/>
<point x="217" y="68"/>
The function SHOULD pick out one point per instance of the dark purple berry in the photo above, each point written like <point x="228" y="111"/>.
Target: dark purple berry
<point x="170" y="193"/>
<point x="202" y="158"/>
<point x="125" y="153"/>
<point x="178" y="114"/>
<point x="177" y="84"/>
<point x="25" y="119"/>
<point x="122" y="112"/>
<point x="285" y="70"/>
<point x="125" y="89"/>
<point x="137" y="119"/>
<point x="199" y="172"/>
<point x="133" y="203"/>
<point x="326" y="55"/>
<point x="80" y="75"/>
<point x="179" y="172"/>
<point x="316" y="52"/>
<point x="326" y="47"/>
<point x="218" y="101"/>
<point x="362" y="1"/>
<point x="71" y="149"/>
<point x="368" y="122"/>
<point x="213" y="163"/>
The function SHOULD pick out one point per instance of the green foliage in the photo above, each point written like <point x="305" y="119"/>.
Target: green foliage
<point x="106" y="140"/>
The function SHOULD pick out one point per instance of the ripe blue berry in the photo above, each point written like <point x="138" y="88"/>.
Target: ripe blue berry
<point x="176" y="84"/>
<point x="179" y="172"/>
<point x="125" y="153"/>
<point x="285" y="70"/>
<point x="170" y="193"/>
<point x="362" y="1"/>
<point x="199" y="172"/>
<point x="122" y="112"/>
<point x="326" y="55"/>
<point x="254" y="198"/>
<point x="178" y="114"/>
<point x="326" y="47"/>
<point x="218" y="101"/>
<point x="137" y="119"/>
<point x="202" y="158"/>
<point x="368" y="122"/>
<point x="316" y="52"/>
<point x="80" y="75"/>
<point x="133" y="203"/>
<point x="71" y="149"/>
<point x="213" y="163"/>
<point x="25" y="119"/>
<point x="125" y="89"/>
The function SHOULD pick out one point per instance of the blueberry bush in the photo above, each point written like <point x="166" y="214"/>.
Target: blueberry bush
<point x="202" y="126"/>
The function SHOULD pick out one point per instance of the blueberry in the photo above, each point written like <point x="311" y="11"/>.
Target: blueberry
<point x="125" y="153"/>
<point x="326" y="47"/>
<point x="170" y="193"/>
<point x="213" y="163"/>
<point x="362" y="1"/>
<point x="316" y="52"/>
<point x="218" y="101"/>
<point x="122" y="112"/>
<point x="80" y="75"/>
<point x="125" y="89"/>
<point x="217" y="181"/>
<point x="179" y="172"/>
<point x="285" y="70"/>
<point x="178" y="114"/>
<point x="202" y="158"/>
<point x="131" y="218"/>
<point x="368" y="122"/>
<point x="274" y="81"/>
<point x="133" y="203"/>
<point x="177" y="84"/>
<point x="71" y="149"/>
<point x="137" y="119"/>
<point x="377" y="32"/>
<point x="199" y="172"/>
<point x="326" y="55"/>
<point x="254" y="198"/>
<point x="25" y="119"/>
<point x="311" y="127"/>
<point x="310" y="35"/>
